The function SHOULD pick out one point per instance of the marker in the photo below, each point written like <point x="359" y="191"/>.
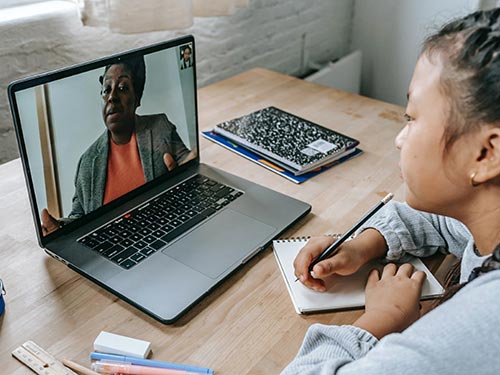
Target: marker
<point x="2" y="302"/>
<point x="115" y="368"/>
<point x="149" y="362"/>
<point x="331" y="250"/>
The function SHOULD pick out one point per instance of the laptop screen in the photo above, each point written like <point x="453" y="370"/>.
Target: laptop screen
<point x="92" y="133"/>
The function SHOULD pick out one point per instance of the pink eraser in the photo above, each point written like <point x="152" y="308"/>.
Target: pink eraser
<point x="112" y="343"/>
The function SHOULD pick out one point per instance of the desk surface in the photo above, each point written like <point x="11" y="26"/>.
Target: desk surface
<point x="248" y="324"/>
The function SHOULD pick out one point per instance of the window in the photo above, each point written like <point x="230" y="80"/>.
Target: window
<point x="17" y="10"/>
<point x="15" y="3"/>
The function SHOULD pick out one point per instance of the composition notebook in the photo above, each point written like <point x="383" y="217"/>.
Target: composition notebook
<point x="289" y="141"/>
<point x="343" y="292"/>
<point x="248" y="154"/>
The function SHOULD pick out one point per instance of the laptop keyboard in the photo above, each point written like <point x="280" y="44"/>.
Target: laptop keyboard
<point x="139" y="233"/>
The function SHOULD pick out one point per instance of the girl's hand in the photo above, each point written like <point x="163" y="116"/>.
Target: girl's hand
<point x="345" y="262"/>
<point x="392" y="300"/>
<point x="351" y="256"/>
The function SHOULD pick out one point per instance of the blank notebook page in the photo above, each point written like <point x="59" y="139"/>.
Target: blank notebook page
<point x="343" y="292"/>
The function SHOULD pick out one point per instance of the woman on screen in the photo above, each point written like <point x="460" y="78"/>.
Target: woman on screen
<point x="132" y="150"/>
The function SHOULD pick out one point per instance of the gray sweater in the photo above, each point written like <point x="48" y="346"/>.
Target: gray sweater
<point x="461" y="336"/>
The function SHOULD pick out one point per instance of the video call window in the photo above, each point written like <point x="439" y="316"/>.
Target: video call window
<point x="97" y="135"/>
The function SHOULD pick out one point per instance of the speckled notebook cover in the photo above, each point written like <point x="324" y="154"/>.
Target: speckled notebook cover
<point x="284" y="137"/>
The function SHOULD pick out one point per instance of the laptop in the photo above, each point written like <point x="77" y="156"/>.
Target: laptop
<point x="110" y="151"/>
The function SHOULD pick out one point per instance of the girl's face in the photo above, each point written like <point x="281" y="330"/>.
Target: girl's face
<point x="435" y="182"/>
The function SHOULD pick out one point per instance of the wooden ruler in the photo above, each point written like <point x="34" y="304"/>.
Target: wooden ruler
<point x="39" y="360"/>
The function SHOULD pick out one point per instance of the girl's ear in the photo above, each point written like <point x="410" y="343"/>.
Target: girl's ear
<point x="488" y="159"/>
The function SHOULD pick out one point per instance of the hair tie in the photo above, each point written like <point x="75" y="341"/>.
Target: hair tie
<point x="491" y="263"/>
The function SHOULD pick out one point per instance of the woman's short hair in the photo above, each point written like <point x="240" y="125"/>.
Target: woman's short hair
<point x="137" y="69"/>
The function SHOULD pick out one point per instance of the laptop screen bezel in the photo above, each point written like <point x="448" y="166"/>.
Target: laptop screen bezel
<point x="55" y="75"/>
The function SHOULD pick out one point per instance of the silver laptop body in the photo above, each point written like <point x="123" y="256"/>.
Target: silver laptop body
<point x="60" y="120"/>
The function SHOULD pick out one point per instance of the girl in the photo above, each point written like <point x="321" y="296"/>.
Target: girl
<point x="450" y="161"/>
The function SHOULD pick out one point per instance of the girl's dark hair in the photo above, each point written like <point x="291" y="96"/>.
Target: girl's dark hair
<point x="470" y="50"/>
<point x="137" y="68"/>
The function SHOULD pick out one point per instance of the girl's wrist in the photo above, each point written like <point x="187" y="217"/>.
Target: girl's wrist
<point x="372" y="243"/>
<point x="379" y="323"/>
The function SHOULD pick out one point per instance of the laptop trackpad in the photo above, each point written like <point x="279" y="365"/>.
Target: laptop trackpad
<point x="226" y="239"/>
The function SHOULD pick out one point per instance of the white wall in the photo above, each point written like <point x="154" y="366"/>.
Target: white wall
<point x="390" y="34"/>
<point x="281" y="35"/>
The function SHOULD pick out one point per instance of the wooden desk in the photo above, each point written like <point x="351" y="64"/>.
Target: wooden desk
<point x="246" y="326"/>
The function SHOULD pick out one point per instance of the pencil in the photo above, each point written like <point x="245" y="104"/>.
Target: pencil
<point x="79" y="368"/>
<point x="331" y="250"/>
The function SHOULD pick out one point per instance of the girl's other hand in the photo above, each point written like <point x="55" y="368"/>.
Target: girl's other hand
<point x="392" y="300"/>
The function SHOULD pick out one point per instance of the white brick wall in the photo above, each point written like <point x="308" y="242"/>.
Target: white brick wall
<point x="282" y="35"/>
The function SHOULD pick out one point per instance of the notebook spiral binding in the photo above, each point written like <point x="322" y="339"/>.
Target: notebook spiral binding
<point x="305" y="238"/>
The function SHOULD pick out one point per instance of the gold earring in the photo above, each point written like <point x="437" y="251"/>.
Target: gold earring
<point x="471" y="180"/>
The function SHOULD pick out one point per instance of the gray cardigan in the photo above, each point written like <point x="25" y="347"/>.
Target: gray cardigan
<point x="459" y="337"/>
<point x="156" y="135"/>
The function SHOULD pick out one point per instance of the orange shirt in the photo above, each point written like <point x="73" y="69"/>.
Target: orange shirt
<point x="125" y="171"/>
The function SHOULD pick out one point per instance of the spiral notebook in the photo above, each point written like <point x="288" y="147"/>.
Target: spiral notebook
<point x="343" y="292"/>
